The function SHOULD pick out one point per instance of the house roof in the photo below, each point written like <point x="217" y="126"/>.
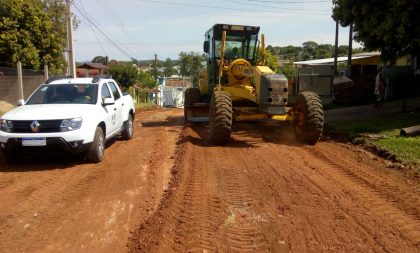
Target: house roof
<point x="92" y="65"/>
<point x="339" y="59"/>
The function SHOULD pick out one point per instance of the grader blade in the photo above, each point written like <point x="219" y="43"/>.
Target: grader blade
<point x="199" y="112"/>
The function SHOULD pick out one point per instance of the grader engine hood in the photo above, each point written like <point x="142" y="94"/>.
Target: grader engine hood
<point x="273" y="90"/>
<point x="274" y="94"/>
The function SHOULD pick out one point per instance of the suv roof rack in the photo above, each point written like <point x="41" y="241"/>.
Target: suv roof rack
<point x="99" y="77"/>
<point x="55" y="78"/>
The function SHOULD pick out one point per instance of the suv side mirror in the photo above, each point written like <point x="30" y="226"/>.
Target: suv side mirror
<point x="108" y="101"/>
<point x="20" y="102"/>
<point x="206" y="46"/>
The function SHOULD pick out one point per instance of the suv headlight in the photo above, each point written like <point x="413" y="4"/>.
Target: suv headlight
<point x="71" y="124"/>
<point x="6" y="125"/>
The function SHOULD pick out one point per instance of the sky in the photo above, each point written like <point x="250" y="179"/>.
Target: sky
<point x="125" y="29"/>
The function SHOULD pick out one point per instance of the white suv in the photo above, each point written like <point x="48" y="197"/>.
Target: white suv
<point x="77" y="115"/>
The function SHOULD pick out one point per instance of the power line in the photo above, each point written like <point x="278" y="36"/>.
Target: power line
<point x="93" y="30"/>
<point x="106" y="36"/>
<point x="279" y="8"/>
<point x="114" y="17"/>
<point x="101" y="30"/>
<point x="289" y="2"/>
<point x="228" y="8"/>
<point x="118" y="20"/>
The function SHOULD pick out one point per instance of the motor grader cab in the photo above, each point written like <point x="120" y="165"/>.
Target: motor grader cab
<point x="238" y="86"/>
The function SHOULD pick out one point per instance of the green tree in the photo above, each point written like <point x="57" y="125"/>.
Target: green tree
<point x="168" y="68"/>
<point x="291" y="52"/>
<point x="146" y="79"/>
<point x="100" y="59"/>
<point x="33" y="32"/>
<point x="310" y="50"/>
<point x="343" y="50"/>
<point x="271" y="61"/>
<point x="288" y="70"/>
<point x="392" y="26"/>
<point x="358" y="50"/>
<point x="125" y="74"/>
<point x="310" y="45"/>
<point x="156" y="71"/>
<point x="190" y="65"/>
<point x="324" y="51"/>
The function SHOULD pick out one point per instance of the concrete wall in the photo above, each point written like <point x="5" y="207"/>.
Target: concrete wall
<point x="9" y="90"/>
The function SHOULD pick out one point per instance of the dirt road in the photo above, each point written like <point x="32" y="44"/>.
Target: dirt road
<point x="52" y="204"/>
<point x="169" y="190"/>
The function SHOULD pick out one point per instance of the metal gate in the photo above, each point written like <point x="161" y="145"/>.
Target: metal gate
<point x="317" y="78"/>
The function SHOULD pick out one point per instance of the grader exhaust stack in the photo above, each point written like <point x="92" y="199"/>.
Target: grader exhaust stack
<point x="238" y="86"/>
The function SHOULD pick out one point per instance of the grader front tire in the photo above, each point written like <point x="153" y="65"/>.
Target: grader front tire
<point x="220" y="117"/>
<point x="308" y="117"/>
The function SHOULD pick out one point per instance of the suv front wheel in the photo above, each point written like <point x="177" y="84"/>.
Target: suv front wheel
<point x="97" y="148"/>
<point x="127" y="133"/>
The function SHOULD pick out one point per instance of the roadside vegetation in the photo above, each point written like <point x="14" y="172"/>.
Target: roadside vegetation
<point x="145" y="106"/>
<point x="385" y="133"/>
<point x="34" y="33"/>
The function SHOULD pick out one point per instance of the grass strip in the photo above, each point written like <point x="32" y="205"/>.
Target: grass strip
<point x="407" y="149"/>
<point x="145" y="106"/>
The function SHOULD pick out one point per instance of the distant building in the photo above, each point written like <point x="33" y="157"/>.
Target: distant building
<point x="173" y="91"/>
<point x="359" y="85"/>
<point x="90" y="69"/>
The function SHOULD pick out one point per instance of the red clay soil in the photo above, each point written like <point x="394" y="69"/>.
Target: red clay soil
<point x="57" y="204"/>
<point x="169" y="190"/>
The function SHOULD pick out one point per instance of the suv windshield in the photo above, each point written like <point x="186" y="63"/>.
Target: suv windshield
<point x="64" y="94"/>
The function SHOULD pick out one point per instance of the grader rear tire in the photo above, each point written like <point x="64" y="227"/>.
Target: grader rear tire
<point x="192" y="96"/>
<point x="308" y="120"/>
<point x="220" y="117"/>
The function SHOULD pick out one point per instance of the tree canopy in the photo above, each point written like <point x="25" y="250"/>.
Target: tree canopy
<point x="146" y="79"/>
<point x="33" y="32"/>
<point x="125" y="74"/>
<point x="100" y="59"/>
<point x="190" y="65"/>
<point x="168" y="68"/>
<point x="392" y="26"/>
<point x="308" y="51"/>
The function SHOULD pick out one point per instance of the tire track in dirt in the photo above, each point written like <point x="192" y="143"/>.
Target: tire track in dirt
<point x="54" y="204"/>
<point x="407" y="201"/>
<point x="295" y="197"/>
<point x="379" y="196"/>
<point x="300" y="197"/>
<point x="208" y="208"/>
<point x="39" y="192"/>
<point x="242" y="227"/>
<point x="379" y="182"/>
<point x="265" y="192"/>
<point x="195" y="211"/>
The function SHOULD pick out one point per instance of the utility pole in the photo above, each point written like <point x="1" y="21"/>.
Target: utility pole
<point x="20" y="80"/>
<point x="70" y="48"/>
<point x="336" y="48"/>
<point x="350" y="49"/>
<point x="156" y="70"/>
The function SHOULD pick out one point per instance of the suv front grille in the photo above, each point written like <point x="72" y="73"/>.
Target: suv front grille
<point x="46" y="126"/>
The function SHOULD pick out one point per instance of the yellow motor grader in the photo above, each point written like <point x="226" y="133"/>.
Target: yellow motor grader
<point x="238" y="86"/>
